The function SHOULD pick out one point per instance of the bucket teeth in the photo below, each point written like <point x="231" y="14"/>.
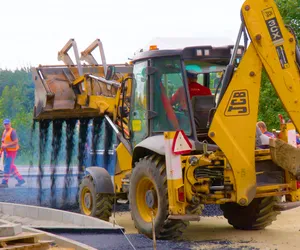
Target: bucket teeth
<point x="60" y="96"/>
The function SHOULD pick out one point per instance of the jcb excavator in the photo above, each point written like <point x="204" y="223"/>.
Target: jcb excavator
<point x="171" y="160"/>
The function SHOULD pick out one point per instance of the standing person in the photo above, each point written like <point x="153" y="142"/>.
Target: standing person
<point x="10" y="146"/>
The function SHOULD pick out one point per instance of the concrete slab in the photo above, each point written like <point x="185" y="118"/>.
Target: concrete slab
<point x="41" y="217"/>
<point x="60" y="240"/>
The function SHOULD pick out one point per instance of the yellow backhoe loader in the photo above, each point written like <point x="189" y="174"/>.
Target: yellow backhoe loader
<point x="171" y="160"/>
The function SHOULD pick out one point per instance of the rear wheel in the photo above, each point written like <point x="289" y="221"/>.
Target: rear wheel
<point x="93" y="204"/>
<point x="257" y="215"/>
<point x="148" y="194"/>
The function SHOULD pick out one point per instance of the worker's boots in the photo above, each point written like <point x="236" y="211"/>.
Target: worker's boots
<point x="20" y="183"/>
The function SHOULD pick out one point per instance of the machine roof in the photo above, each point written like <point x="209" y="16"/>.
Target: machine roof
<point x="188" y="53"/>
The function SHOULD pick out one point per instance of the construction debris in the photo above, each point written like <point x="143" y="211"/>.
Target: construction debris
<point x="7" y="230"/>
<point x="24" y="240"/>
<point x="13" y="237"/>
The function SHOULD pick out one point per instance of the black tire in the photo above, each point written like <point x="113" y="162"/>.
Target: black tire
<point x="153" y="169"/>
<point x="101" y="205"/>
<point x="257" y="215"/>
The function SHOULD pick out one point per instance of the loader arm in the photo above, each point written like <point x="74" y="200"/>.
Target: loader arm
<point x="273" y="47"/>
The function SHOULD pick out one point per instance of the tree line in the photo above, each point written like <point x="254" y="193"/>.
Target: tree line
<point x="16" y="103"/>
<point x="270" y="105"/>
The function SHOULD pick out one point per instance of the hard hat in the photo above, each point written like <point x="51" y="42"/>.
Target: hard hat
<point x="191" y="73"/>
<point x="6" y="121"/>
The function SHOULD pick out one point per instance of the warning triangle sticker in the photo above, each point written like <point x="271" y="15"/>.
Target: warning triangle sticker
<point x="181" y="143"/>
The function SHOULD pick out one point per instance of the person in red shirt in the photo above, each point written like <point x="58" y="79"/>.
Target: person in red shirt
<point x="195" y="89"/>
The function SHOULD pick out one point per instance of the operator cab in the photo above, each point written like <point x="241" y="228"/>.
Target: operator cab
<point x="160" y="93"/>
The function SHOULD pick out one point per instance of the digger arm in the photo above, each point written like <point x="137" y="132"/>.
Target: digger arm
<point x="273" y="47"/>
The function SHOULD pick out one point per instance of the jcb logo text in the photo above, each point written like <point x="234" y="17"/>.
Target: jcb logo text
<point x="238" y="104"/>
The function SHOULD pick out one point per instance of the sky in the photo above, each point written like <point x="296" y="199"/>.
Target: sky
<point x="33" y="31"/>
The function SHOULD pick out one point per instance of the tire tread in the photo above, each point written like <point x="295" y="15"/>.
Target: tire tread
<point x="257" y="215"/>
<point x="169" y="229"/>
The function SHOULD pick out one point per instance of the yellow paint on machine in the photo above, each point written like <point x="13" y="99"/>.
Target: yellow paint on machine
<point x="233" y="126"/>
<point x="123" y="166"/>
<point x="276" y="48"/>
<point x="175" y="206"/>
<point x="136" y="125"/>
<point x="124" y="159"/>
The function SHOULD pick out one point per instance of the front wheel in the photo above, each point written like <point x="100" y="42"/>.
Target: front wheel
<point x="93" y="204"/>
<point x="148" y="196"/>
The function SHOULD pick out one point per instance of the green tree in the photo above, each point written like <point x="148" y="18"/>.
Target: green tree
<point x="290" y="12"/>
<point x="16" y="103"/>
<point x="270" y="105"/>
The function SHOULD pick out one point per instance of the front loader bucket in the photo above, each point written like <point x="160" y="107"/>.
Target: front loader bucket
<point x="56" y="95"/>
<point x="285" y="156"/>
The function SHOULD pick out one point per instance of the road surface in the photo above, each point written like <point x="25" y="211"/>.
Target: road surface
<point x="209" y="233"/>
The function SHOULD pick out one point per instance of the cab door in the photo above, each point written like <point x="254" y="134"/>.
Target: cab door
<point x="139" y="103"/>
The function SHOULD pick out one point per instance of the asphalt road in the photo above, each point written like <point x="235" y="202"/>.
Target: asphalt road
<point x="137" y="241"/>
<point x="30" y="194"/>
<point x="212" y="232"/>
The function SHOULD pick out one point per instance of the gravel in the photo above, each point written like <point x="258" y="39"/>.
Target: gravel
<point x="119" y="241"/>
<point x="212" y="210"/>
<point x="29" y="196"/>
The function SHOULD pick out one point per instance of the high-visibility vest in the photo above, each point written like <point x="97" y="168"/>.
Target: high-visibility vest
<point x="6" y="139"/>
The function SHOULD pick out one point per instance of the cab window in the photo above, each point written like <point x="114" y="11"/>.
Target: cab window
<point x="139" y="120"/>
<point x="209" y="74"/>
<point x="170" y="97"/>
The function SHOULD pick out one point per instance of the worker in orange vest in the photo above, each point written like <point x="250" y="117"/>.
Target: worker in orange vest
<point x="10" y="146"/>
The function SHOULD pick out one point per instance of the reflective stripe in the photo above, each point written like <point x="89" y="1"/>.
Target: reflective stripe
<point x="6" y="139"/>
<point x="173" y="162"/>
